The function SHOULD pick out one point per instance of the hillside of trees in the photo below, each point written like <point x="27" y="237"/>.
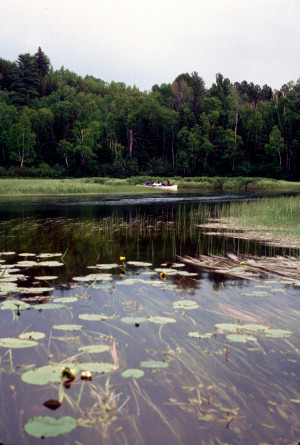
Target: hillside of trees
<point x="56" y="123"/>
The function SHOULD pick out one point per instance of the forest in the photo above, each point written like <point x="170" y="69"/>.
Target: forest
<point x="55" y="123"/>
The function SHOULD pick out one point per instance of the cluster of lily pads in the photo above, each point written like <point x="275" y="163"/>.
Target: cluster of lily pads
<point x="243" y="333"/>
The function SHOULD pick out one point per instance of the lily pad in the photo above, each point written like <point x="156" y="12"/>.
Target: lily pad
<point x="166" y="271"/>
<point x="278" y="333"/>
<point x="27" y="263"/>
<point x="185" y="273"/>
<point x="46" y="278"/>
<point x="35" y="290"/>
<point x="64" y="300"/>
<point x="104" y="266"/>
<point x="93" y="349"/>
<point x="154" y="364"/>
<point x="33" y="335"/>
<point x="14" y="305"/>
<point x="139" y="263"/>
<point x="46" y="426"/>
<point x="161" y="320"/>
<point x="93" y="317"/>
<point x="255" y="327"/>
<point x="16" y="343"/>
<point x="52" y="373"/>
<point x="49" y="255"/>
<point x="68" y="327"/>
<point x="27" y="254"/>
<point x="185" y="304"/>
<point x="50" y="264"/>
<point x="135" y="373"/>
<point x="228" y="327"/>
<point x="134" y="320"/>
<point x="240" y="338"/>
<point x="199" y="335"/>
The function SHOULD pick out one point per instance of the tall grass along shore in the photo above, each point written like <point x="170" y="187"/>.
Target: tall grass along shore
<point x="18" y="186"/>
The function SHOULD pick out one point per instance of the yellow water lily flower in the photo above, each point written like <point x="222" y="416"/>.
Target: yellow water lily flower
<point x="242" y="262"/>
<point x="163" y="275"/>
<point x="122" y="258"/>
<point x="68" y="373"/>
<point x="86" y="375"/>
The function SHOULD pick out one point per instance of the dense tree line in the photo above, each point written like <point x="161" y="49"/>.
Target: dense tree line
<point x="56" y="123"/>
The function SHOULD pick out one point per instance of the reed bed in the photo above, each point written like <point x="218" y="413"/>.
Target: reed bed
<point x="273" y="221"/>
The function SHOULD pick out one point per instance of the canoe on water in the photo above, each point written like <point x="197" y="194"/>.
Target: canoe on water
<point x="160" y="187"/>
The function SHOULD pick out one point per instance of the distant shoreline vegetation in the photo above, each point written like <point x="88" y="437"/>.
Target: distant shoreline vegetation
<point x="77" y="186"/>
<point x="57" y="124"/>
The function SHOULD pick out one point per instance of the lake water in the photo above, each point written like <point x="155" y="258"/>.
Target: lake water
<point x="162" y="371"/>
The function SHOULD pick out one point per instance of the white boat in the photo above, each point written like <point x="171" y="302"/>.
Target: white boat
<point x="160" y="187"/>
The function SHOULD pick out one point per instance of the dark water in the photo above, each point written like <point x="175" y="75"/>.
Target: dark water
<point x="210" y="390"/>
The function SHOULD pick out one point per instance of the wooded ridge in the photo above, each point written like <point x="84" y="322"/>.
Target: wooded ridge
<point x="56" y="123"/>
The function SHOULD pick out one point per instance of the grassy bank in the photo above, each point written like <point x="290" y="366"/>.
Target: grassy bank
<point x="15" y="186"/>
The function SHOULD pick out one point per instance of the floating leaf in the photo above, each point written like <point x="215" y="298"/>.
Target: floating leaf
<point x="161" y="320"/>
<point x="27" y="263"/>
<point x="278" y="333"/>
<point x="92" y="349"/>
<point x="228" y="327"/>
<point x="93" y="317"/>
<point x="104" y="266"/>
<point x="64" y="300"/>
<point x="27" y="254"/>
<point x="139" y="263"/>
<point x="16" y="343"/>
<point x="198" y="335"/>
<point x="153" y="364"/>
<point x="184" y="273"/>
<point x="185" y="304"/>
<point x="46" y="278"/>
<point x="94" y="277"/>
<point x="68" y="327"/>
<point x="35" y="290"/>
<point x="33" y="335"/>
<point x="240" y="338"/>
<point x="52" y="373"/>
<point x="45" y="426"/>
<point x="50" y="264"/>
<point x="8" y="253"/>
<point x="255" y="327"/>
<point x="48" y="255"/>
<point x="167" y="271"/>
<point x="134" y="320"/>
<point x="295" y="400"/>
<point x="14" y="305"/>
<point x="135" y="373"/>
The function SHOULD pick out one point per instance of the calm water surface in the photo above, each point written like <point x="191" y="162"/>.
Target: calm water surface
<point x="166" y="374"/>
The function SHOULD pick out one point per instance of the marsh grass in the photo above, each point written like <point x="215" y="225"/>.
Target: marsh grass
<point x="273" y="220"/>
<point x="115" y="186"/>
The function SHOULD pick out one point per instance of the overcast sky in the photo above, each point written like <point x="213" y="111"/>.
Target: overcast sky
<point x="144" y="42"/>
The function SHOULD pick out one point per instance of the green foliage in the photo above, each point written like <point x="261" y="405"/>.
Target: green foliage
<point x="87" y="127"/>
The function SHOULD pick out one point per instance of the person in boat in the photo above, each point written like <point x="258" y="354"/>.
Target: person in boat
<point x="147" y="182"/>
<point x="156" y="184"/>
<point x="169" y="183"/>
